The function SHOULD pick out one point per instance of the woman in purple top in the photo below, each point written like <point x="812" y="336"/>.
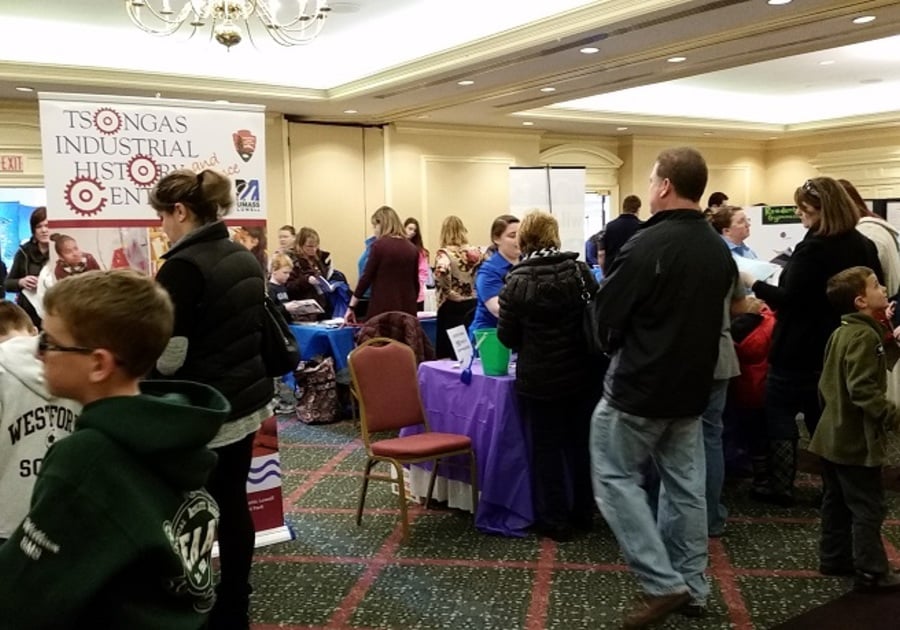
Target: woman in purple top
<point x="392" y="270"/>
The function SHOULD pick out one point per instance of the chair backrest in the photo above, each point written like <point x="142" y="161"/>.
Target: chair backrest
<point x="401" y="327"/>
<point x="386" y="383"/>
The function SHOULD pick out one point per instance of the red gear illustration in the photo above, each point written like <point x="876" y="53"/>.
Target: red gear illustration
<point x="107" y="121"/>
<point x="83" y="196"/>
<point x="143" y="170"/>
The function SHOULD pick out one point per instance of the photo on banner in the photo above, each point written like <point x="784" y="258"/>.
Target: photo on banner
<point x="102" y="156"/>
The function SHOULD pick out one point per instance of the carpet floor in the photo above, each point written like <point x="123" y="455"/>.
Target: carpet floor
<point x="338" y="576"/>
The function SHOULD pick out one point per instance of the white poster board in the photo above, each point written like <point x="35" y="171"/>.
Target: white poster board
<point x="775" y="232"/>
<point x="103" y="154"/>
<point x="559" y="190"/>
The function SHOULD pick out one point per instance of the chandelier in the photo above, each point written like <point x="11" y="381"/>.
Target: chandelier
<point x="297" y="22"/>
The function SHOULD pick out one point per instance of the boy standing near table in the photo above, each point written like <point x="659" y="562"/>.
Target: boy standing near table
<point x="851" y="433"/>
<point x="120" y="529"/>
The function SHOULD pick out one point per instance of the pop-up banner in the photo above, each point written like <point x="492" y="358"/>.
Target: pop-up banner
<point x="102" y="156"/>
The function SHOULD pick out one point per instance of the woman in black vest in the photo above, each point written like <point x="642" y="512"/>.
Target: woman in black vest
<point x="217" y="287"/>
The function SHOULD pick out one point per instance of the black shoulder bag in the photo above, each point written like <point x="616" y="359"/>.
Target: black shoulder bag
<point x="279" y="349"/>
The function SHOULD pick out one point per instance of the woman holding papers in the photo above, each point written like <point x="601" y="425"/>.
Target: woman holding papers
<point x="311" y="268"/>
<point x="30" y="258"/>
<point x="541" y="312"/>
<point x="804" y="321"/>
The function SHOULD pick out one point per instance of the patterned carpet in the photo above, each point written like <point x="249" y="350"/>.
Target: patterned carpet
<point x="339" y="576"/>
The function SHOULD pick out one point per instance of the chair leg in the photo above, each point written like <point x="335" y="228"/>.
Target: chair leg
<point x="431" y="481"/>
<point x="402" y="493"/>
<point x="473" y="472"/>
<point x="364" y="487"/>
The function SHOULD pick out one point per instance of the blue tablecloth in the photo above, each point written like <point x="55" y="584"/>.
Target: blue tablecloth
<point x="487" y="411"/>
<point x="316" y="339"/>
<point x="429" y="325"/>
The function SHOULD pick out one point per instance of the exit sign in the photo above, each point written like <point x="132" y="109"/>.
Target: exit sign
<point x="12" y="163"/>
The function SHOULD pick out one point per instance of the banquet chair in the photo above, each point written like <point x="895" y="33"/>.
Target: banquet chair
<point x="384" y="378"/>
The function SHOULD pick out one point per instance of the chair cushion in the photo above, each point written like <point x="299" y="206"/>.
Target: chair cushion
<point x="421" y="445"/>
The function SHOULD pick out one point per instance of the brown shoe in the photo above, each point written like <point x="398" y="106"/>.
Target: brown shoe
<point x="654" y="608"/>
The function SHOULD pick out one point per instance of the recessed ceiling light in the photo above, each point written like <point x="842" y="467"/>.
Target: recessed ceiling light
<point x="24" y="88"/>
<point x="465" y="82"/>
<point x="621" y="128"/>
<point x="422" y="116"/>
<point x="548" y="89"/>
<point x="528" y="123"/>
<point x="707" y="133"/>
<point x="827" y="62"/>
<point x="676" y="59"/>
<point x="864" y="19"/>
<point x="776" y="3"/>
<point x="589" y="50"/>
<point x="350" y="111"/>
<point x="222" y="101"/>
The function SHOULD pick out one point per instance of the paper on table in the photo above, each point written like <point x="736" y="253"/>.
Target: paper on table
<point x="462" y="345"/>
<point x="759" y="269"/>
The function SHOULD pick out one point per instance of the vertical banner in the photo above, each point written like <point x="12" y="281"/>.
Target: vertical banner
<point x="102" y="156"/>
<point x="559" y="190"/>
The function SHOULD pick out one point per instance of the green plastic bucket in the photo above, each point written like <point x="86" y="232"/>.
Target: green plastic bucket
<point x="494" y="355"/>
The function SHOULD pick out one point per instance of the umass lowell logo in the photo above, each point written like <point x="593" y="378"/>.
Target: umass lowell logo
<point x="191" y="533"/>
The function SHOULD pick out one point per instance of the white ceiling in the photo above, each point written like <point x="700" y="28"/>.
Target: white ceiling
<point x="751" y="69"/>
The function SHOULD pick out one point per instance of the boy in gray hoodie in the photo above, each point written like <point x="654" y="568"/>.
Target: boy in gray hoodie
<point x="30" y="418"/>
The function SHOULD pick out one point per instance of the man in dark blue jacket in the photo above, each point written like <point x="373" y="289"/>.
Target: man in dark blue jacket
<point x="660" y="314"/>
<point x="620" y="229"/>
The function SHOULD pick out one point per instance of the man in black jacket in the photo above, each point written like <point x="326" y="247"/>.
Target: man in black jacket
<point x="660" y="312"/>
<point x="620" y="229"/>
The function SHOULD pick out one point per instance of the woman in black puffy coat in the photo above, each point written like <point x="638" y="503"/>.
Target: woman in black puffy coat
<point x="558" y="382"/>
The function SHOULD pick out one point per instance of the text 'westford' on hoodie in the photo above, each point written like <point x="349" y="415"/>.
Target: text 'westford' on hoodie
<point x="31" y="420"/>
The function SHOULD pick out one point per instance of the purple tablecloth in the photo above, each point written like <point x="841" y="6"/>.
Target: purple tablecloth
<point x="486" y="411"/>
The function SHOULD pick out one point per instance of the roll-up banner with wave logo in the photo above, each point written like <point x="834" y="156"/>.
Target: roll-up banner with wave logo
<point x="102" y="155"/>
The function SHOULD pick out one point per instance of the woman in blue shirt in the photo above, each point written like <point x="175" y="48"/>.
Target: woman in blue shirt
<point x="489" y="279"/>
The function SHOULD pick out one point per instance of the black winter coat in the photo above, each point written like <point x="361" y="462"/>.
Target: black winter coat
<point x="541" y="313"/>
<point x="28" y="261"/>
<point x="804" y="319"/>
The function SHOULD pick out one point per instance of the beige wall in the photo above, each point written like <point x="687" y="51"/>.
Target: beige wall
<point x="333" y="177"/>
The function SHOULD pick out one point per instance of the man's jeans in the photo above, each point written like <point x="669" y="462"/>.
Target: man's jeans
<point x="669" y="554"/>
<point x="715" y="457"/>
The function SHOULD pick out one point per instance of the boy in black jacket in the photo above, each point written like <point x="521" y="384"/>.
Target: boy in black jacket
<point x="120" y="530"/>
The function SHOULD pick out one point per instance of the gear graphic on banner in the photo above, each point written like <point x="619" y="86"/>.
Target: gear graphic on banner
<point x="84" y="196"/>
<point x="107" y="121"/>
<point x="143" y="170"/>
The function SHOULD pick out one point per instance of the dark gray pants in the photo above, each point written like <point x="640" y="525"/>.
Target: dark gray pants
<point x="852" y="512"/>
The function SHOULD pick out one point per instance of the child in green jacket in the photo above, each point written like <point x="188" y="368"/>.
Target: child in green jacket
<point x="120" y="531"/>
<point x="851" y="433"/>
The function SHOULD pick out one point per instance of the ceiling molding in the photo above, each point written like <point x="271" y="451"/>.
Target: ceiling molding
<point x="402" y="128"/>
<point x="576" y="154"/>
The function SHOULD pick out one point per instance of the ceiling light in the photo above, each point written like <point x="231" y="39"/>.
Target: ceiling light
<point x="528" y="123"/>
<point x="465" y="82"/>
<point x="589" y="50"/>
<point x="864" y="19"/>
<point x="302" y="21"/>
<point x="827" y="62"/>
<point x="676" y="59"/>
<point x="621" y="128"/>
<point x="222" y="101"/>
<point x="776" y="3"/>
<point x="24" y="88"/>
<point x="350" y="111"/>
<point x="548" y="89"/>
<point x="707" y="133"/>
